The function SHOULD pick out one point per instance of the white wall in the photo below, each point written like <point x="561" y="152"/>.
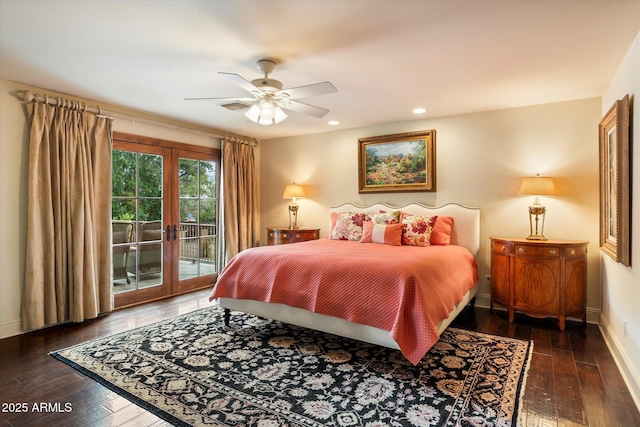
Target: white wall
<point x="620" y="284"/>
<point x="481" y="159"/>
<point x="14" y="153"/>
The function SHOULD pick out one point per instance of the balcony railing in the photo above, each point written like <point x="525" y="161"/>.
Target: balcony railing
<point x="197" y="240"/>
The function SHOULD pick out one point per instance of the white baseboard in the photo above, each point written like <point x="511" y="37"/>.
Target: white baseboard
<point x="621" y="358"/>
<point x="483" y="300"/>
<point x="10" y="329"/>
<point x="593" y="316"/>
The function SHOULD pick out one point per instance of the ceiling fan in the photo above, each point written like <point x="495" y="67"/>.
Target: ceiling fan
<point x="268" y="98"/>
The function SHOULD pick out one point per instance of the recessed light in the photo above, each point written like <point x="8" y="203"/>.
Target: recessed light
<point x="334" y="122"/>
<point x="419" y="110"/>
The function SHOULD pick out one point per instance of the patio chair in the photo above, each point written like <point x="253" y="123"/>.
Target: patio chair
<point x="121" y="232"/>
<point x="150" y="254"/>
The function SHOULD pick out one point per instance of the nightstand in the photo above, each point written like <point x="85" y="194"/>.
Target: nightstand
<point x="285" y="235"/>
<point x="540" y="278"/>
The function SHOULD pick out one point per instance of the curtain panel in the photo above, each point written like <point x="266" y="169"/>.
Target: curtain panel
<point x="240" y="197"/>
<point x="68" y="259"/>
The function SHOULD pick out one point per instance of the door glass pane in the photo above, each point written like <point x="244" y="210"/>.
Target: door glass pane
<point x="208" y="175"/>
<point x="198" y="213"/>
<point x="124" y="172"/>
<point x="188" y="178"/>
<point x="123" y="217"/>
<point x="150" y="175"/>
<point x="137" y="220"/>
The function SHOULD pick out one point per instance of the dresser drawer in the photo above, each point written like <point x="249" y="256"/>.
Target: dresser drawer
<point x="500" y="247"/>
<point x="283" y="235"/>
<point x="576" y="252"/>
<point x="538" y="251"/>
<point x="304" y="235"/>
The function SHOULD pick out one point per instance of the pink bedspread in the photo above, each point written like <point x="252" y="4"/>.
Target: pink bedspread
<point x="406" y="290"/>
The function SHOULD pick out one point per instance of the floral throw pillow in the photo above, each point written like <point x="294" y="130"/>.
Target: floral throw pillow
<point x="417" y="229"/>
<point x="385" y="217"/>
<point x="348" y="225"/>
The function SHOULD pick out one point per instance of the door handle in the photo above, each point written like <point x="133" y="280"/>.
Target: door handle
<point x="168" y="233"/>
<point x="175" y="232"/>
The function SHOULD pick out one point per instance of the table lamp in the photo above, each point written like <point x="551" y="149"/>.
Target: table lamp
<point x="537" y="186"/>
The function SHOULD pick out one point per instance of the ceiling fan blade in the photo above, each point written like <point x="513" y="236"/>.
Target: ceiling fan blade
<point x="301" y="107"/>
<point x="309" y="90"/>
<point x="241" y="81"/>
<point x="246" y="99"/>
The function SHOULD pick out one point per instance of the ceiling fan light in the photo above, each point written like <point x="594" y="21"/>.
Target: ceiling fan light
<point x="267" y="110"/>
<point x="279" y="115"/>
<point x="253" y="114"/>
<point x="265" y="122"/>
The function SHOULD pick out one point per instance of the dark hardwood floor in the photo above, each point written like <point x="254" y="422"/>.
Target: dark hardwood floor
<point x="573" y="380"/>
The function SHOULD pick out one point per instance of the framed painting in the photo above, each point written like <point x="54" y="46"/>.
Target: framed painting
<point x="614" y="182"/>
<point x="395" y="163"/>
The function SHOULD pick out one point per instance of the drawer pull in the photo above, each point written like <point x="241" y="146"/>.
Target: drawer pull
<point x="552" y="251"/>
<point x="270" y="234"/>
<point x="503" y="248"/>
<point x="297" y="236"/>
<point x="573" y="251"/>
<point x="521" y="250"/>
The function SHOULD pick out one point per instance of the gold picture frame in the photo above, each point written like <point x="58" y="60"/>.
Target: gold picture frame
<point x="614" y="182"/>
<point x="397" y="163"/>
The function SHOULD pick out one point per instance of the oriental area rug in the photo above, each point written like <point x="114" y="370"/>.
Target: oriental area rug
<point x="191" y="370"/>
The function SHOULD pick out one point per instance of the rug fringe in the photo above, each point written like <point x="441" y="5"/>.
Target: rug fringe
<point x="525" y="375"/>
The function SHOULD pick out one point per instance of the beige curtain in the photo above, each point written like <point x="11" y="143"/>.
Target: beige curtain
<point x="68" y="260"/>
<point x="240" y="196"/>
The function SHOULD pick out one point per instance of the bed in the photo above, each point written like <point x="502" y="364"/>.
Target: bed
<point x="400" y="296"/>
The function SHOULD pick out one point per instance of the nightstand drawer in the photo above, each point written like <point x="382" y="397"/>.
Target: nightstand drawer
<point x="500" y="247"/>
<point x="304" y="235"/>
<point x="541" y="251"/>
<point x="284" y="235"/>
<point x="577" y="252"/>
<point x="279" y="235"/>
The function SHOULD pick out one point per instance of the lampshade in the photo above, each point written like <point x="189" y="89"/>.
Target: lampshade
<point x="293" y="191"/>
<point x="537" y="186"/>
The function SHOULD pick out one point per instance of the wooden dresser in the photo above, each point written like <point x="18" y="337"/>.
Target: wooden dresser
<point x="540" y="278"/>
<point x="285" y="235"/>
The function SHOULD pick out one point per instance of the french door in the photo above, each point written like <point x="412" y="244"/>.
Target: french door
<point x="164" y="218"/>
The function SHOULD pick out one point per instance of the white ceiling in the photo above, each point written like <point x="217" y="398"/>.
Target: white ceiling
<point x="385" y="57"/>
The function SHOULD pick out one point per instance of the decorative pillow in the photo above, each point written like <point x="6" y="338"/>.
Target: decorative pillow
<point x="388" y="234"/>
<point x="441" y="233"/>
<point x="417" y="229"/>
<point x="332" y="222"/>
<point x="348" y="225"/>
<point x="386" y="217"/>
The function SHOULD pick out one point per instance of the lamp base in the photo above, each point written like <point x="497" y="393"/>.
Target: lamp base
<point x="537" y="237"/>
<point x="293" y="216"/>
<point x="535" y="211"/>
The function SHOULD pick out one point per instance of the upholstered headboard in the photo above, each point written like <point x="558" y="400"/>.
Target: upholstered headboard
<point x="466" y="220"/>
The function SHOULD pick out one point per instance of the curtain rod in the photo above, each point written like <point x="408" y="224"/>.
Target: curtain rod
<point x="237" y="139"/>
<point x="28" y="96"/>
